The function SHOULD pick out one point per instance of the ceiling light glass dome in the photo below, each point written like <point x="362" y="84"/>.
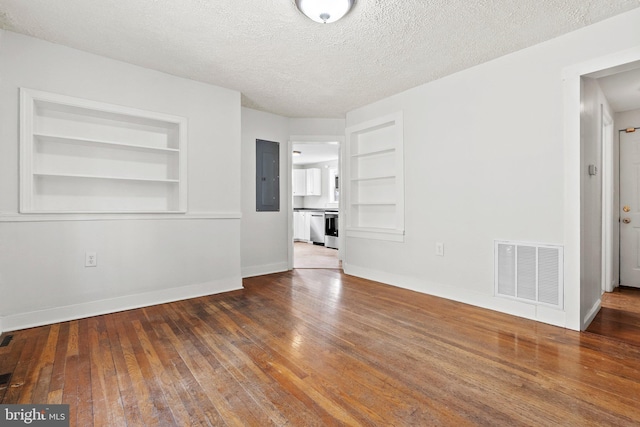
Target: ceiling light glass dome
<point x="325" y="11"/>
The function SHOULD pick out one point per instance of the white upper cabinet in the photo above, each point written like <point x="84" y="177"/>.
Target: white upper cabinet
<point x="299" y="182"/>
<point x="307" y="182"/>
<point x="314" y="182"/>
<point x="82" y="156"/>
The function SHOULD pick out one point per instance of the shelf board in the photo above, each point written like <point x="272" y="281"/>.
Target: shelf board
<point x="114" y="178"/>
<point x="87" y="141"/>
<point x="68" y="215"/>
<point x="378" y="233"/>
<point x="375" y="204"/>
<point x="376" y="230"/>
<point x="373" y="178"/>
<point x="374" y="153"/>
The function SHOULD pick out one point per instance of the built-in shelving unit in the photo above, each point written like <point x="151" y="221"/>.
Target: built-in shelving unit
<point x="83" y="156"/>
<point x="375" y="201"/>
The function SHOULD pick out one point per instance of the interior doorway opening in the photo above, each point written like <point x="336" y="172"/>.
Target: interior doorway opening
<point x="609" y="104"/>
<point x="315" y="240"/>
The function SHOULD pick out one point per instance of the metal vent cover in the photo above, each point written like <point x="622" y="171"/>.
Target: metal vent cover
<point x="529" y="272"/>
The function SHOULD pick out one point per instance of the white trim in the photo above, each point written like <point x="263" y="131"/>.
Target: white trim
<point x="72" y="101"/>
<point x="26" y="149"/>
<point x="606" y="133"/>
<point x="543" y="314"/>
<point x="261" y="270"/>
<point x="13" y="217"/>
<point x="290" y="224"/>
<point x="571" y="88"/>
<point x="376" y="233"/>
<point x="48" y="316"/>
<point x="591" y="314"/>
<point x="315" y="138"/>
<point x="307" y="139"/>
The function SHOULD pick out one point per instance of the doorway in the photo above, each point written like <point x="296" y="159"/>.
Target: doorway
<point x="608" y="101"/>
<point x="315" y="202"/>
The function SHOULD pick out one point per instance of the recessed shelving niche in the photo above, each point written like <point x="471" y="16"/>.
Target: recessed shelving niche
<point x="375" y="200"/>
<point x="82" y="156"/>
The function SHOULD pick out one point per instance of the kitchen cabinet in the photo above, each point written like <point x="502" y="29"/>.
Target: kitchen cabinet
<point x="307" y="182"/>
<point x="302" y="226"/>
<point x="299" y="182"/>
<point x="314" y="182"/>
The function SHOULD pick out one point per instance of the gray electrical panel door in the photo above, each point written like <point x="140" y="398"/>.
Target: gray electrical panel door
<point x="267" y="176"/>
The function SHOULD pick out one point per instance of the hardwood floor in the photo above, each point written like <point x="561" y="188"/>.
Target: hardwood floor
<point x="316" y="347"/>
<point x="619" y="317"/>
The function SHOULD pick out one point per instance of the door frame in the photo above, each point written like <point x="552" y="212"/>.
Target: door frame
<point x="313" y="139"/>
<point x="608" y="204"/>
<point x="609" y="64"/>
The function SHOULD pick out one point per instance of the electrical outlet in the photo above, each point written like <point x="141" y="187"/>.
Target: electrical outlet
<point x="439" y="249"/>
<point x="90" y="259"/>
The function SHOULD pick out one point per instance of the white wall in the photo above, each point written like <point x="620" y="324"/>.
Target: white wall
<point x="626" y="119"/>
<point x="142" y="260"/>
<point x="264" y="234"/>
<point x="593" y="104"/>
<point x="484" y="160"/>
<point x="311" y="127"/>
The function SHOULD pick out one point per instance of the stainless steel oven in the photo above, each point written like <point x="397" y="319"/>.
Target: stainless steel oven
<point x="331" y="229"/>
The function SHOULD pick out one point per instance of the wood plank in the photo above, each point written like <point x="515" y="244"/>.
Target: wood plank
<point x="70" y="374"/>
<point x="125" y="387"/>
<point x="84" y="402"/>
<point x="37" y="384"/>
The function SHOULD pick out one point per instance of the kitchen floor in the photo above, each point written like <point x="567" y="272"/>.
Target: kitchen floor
<point x="308" y="255"/>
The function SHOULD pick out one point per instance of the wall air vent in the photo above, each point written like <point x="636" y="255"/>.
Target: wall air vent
<point x="529" y="272"/>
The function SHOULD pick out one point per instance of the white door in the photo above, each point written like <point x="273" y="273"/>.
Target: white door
<point x="630" y="209"/>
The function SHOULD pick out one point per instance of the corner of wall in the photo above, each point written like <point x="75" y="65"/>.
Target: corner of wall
<point x="261" y="270"/>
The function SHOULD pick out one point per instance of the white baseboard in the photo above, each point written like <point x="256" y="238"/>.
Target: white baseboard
<point x="261" y="270"/>
<point x="95" y="308"/>
<point x="591" y="314"/>
<point x="491" y="302"/>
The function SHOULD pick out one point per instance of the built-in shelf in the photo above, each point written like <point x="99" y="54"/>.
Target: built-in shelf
<point x="373" y="178"/>
<point x="374" y="204"/>
<point x="375" y="200"/>
<point x="40" y="137"/>
<point x="84" y="156"/>
<point x="117" y="178"/>
<point x="374" y="153"/>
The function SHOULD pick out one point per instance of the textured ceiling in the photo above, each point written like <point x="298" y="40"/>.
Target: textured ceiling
<point x="284" y="63"/>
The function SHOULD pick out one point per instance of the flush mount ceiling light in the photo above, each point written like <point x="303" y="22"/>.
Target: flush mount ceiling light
<point x="325" y="11"/>
<point x="297" y="153"/>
